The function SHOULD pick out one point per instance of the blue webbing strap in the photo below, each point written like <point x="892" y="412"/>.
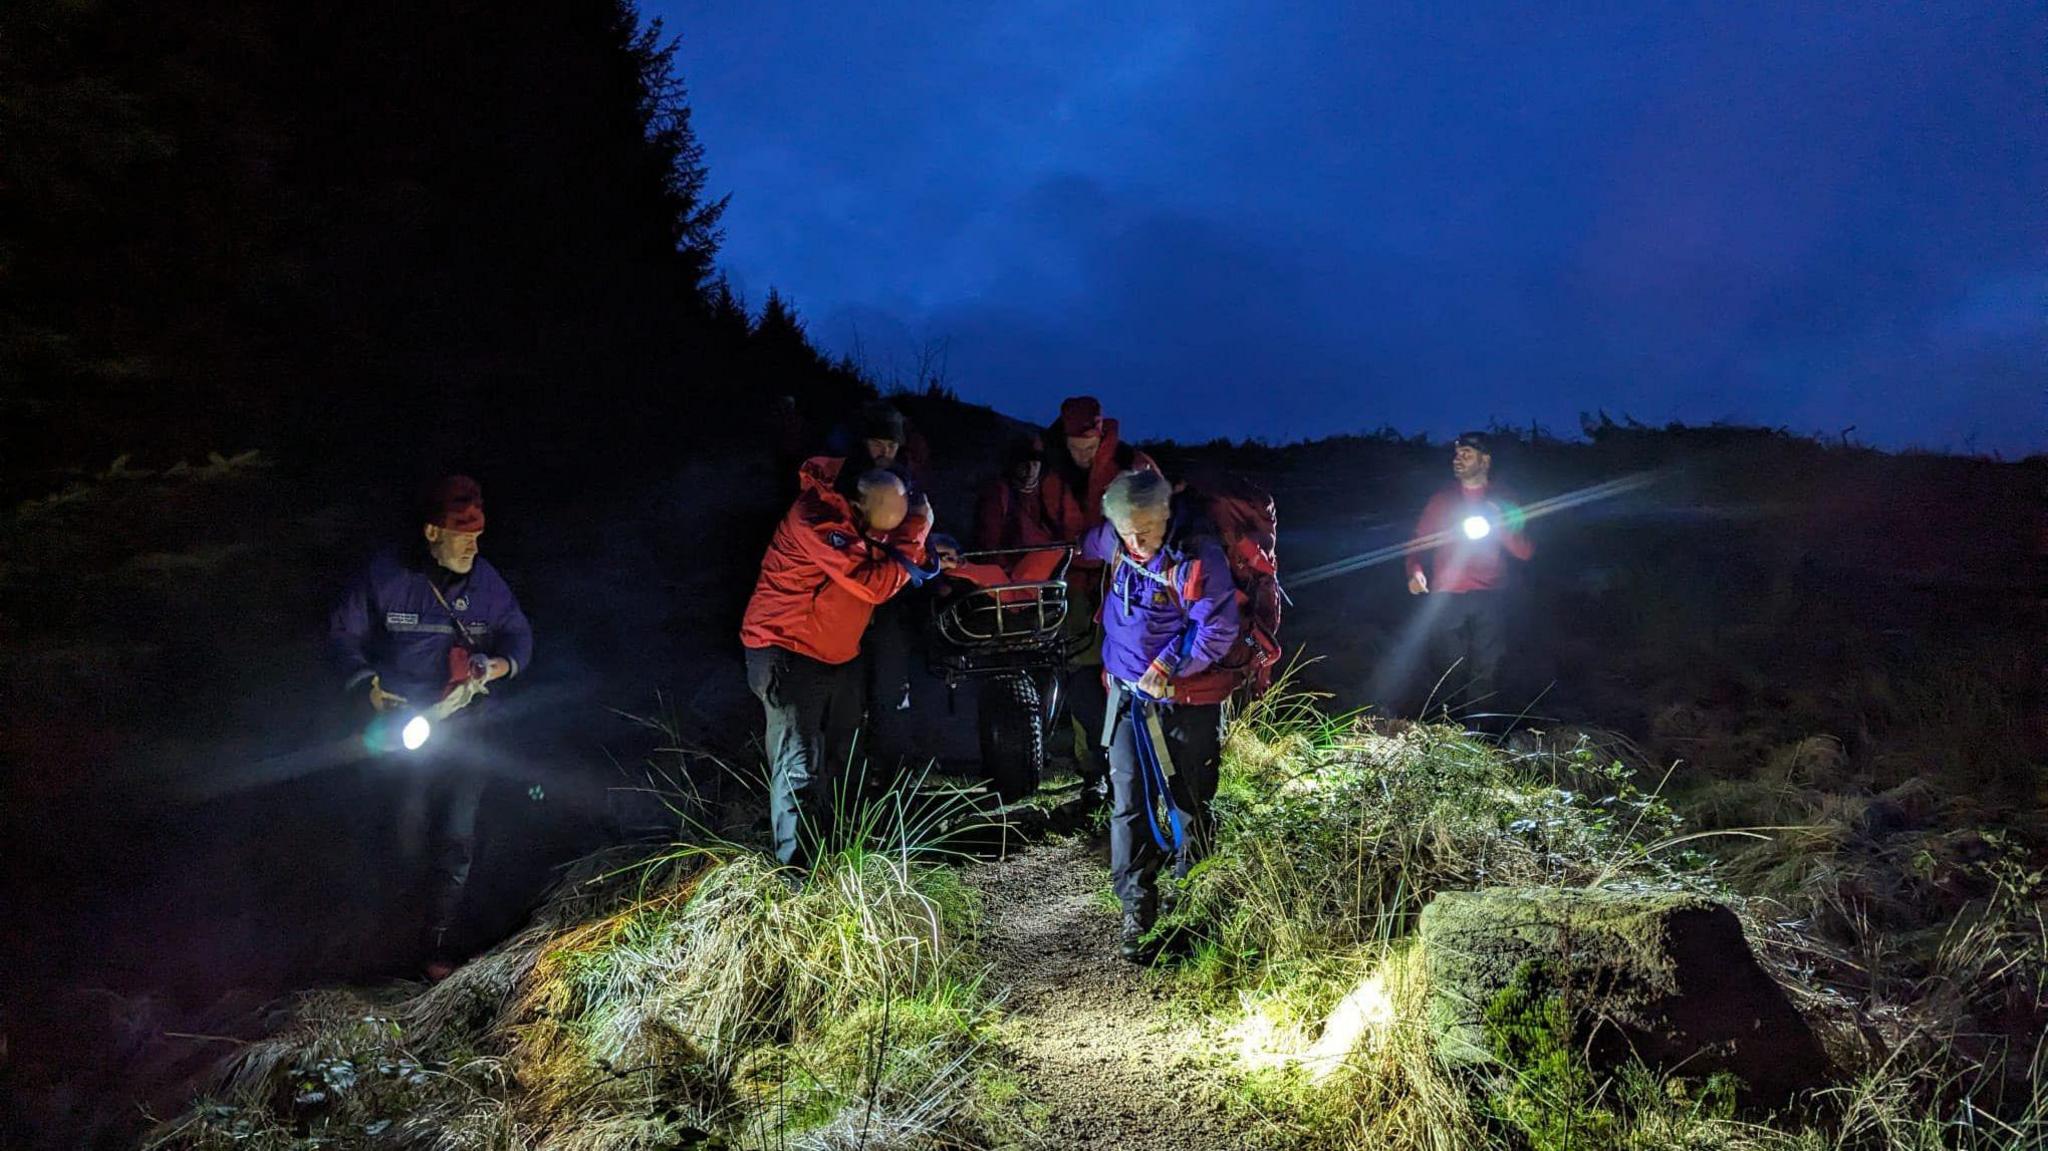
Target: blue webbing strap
<point x="1152" y="778"/>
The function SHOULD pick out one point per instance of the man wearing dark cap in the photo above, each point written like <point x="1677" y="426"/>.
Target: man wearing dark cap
<point x="429" y="628"/>
<point x="884" y="441"/>
<point x="880" y="437"/>
<point x="1469" y="530"/>
<point x="882" y="433"/>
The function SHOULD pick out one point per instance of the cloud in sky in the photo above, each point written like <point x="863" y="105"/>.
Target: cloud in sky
<point x="1289" y="220"/>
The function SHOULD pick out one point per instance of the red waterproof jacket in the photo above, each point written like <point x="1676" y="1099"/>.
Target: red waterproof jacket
<point x="822" y="577"/>
<point x="1075" y="511"/>
<point x="1463" y="565"/>
<point x="1007" y="518"/>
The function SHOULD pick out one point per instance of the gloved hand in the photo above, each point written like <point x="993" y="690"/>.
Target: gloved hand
<point x="381" y="700"/>
<point x="458" y="697"/>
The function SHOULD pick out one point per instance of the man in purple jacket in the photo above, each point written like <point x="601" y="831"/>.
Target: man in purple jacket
<point x="430" y="630"/>
<point x="1169" y="611"/>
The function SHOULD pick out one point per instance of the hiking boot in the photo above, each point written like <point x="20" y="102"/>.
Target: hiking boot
<point x="1132" y="944"/>
<point x="1093" y="794"/>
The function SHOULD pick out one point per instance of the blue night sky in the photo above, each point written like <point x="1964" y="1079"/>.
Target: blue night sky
<point x="1293" y="219"/>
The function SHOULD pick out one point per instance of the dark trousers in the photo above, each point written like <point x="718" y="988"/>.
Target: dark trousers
<point x="438" y="822"/>
<point x="1086" y="703"/>
<point x="891" y="658"/>
<point x="891" y="643"/>
<point x="1086" y="700"/>
<point x="1194" y="739"/>
<point x="814" y="715"/>
<point x="1471" y="633"/>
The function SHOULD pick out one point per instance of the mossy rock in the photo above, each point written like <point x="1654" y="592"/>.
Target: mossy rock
<point x="1664" y="977"/>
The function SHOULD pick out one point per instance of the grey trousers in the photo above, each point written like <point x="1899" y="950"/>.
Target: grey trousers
<point x="814" y="714"/>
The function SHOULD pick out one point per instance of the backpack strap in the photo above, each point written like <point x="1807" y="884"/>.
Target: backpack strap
<point x="468" y="637"/>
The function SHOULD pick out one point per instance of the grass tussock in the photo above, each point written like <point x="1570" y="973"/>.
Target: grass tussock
<point x="705" y="998"/>
<point x="1336" y="831"/>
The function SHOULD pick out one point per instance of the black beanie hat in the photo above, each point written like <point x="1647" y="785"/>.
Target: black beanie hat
<point x="881" y="421"/>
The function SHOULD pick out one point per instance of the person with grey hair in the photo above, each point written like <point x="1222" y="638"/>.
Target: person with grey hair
<point x="1169" y="612"/>
<point x="833" y="559"/>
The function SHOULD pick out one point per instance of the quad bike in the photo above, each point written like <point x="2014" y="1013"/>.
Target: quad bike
<point x="1002" y="625"/>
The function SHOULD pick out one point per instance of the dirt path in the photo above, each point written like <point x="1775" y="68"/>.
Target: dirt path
<point x="1091" y="1037"/>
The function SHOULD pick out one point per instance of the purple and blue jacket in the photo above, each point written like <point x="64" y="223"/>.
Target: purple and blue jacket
<point x="1179" y="607"/>
<point x="391" y="625"/>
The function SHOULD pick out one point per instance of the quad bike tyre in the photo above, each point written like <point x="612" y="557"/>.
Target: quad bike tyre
<point x="1012" y="735"/>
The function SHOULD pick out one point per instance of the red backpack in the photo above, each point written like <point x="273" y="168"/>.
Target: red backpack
<point x="1247" y="528"/>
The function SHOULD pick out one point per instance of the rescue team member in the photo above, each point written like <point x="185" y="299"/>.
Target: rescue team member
<point x="882" y="438"/>
<point x="1007" y="511"/>
<point x="1478" y="525"/>
<point x="1084" y="454"/>
<point x="428" y="628"/>
<point x="832" y="560"/>
<point x="1169" y="611"/>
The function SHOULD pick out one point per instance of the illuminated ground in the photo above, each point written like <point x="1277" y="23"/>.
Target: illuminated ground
<point x="1089" y="1033"/>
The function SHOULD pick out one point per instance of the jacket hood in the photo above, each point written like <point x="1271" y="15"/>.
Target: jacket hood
<point x="817" y="480"/>
<point x="1055" y="441"/>
<point x="819" y="473"/>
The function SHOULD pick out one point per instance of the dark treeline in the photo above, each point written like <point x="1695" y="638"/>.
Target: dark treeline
<point x="391" y="230"/>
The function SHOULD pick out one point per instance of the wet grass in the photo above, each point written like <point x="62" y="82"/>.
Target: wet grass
<point x="1336" y="831"/>
<point x="704" y="998"/>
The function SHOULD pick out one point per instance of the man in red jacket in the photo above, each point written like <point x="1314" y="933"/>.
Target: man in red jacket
<point x="1007" y="511"/>
<point x="1469" y="528"/>
<point x="833" y="559"/>
<point x="1083" y="454"/>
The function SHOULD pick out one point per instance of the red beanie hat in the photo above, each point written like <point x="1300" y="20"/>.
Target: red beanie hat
<point x="456" y="504"/>
<point x="1081" y="416"/>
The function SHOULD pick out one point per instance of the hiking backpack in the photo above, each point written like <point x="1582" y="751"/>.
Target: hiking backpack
<point x="1247" y="529"/>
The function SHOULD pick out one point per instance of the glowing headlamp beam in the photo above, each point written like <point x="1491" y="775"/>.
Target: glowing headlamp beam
<point x="1537" y="510"/>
